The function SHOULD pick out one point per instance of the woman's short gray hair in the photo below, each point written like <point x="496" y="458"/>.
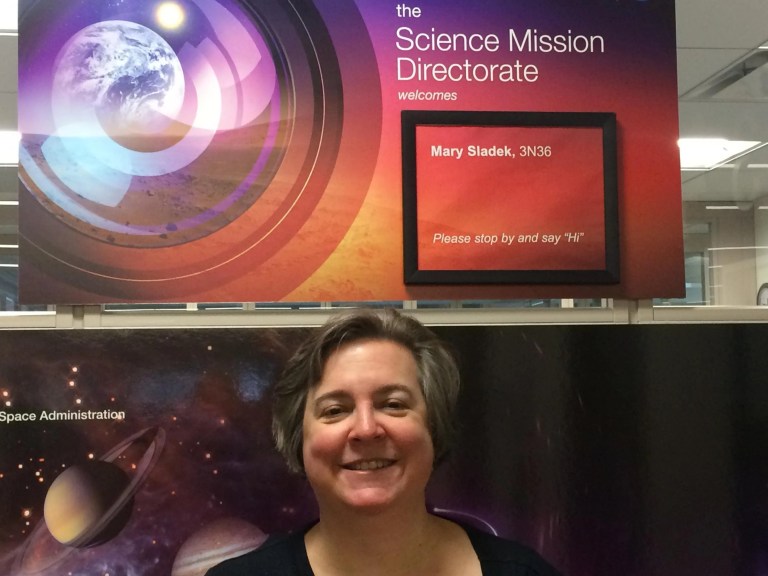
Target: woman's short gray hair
<point x="438" y="375"/>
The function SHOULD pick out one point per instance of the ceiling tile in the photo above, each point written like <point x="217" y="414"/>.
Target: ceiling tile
<point x="695" y="65"/>
<point x="8" y="111"/>
<point x="721" y="23"/>
<point x="9" y="69"/>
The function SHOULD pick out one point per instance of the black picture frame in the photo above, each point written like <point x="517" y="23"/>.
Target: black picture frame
<point x="603" y="121"/>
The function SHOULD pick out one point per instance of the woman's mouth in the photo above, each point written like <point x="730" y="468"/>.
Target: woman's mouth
<point x="375" y="464"/>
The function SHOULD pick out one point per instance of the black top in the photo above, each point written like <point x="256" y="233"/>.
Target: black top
<point x="287" y="556"/>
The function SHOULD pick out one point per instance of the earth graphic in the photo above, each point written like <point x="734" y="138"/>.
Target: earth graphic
<point x="125" y="72"/>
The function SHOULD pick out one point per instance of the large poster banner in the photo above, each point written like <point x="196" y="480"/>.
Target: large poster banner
<point x="611" y="450"/>
<point x="243" y="150"/>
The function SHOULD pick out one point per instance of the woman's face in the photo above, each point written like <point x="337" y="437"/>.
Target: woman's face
<point x="366" y="440"/>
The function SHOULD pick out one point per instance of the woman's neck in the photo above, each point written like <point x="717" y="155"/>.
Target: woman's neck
<point x="386" y="543"/>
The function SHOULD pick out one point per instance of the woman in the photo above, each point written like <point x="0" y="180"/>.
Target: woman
<point x="365" y="408"/>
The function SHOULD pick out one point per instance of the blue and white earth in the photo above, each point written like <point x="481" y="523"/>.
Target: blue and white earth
<point x="125" y="72"/>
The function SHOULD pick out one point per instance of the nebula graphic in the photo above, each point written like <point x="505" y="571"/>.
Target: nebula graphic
<point x="157" y="490"/>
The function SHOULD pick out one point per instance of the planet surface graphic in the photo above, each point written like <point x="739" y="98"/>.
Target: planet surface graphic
<point x="124" y="71"/>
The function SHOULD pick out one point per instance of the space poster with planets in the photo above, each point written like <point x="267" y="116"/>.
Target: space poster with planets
<point x="244" y="150"/>
<point x="628" y="450"/>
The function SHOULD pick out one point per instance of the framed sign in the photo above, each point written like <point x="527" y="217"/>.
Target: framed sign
<point x="510" y="197"/>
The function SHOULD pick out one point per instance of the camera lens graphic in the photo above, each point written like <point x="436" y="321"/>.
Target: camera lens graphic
<point x="139" y="129"/>
<point x="157" y="150"/>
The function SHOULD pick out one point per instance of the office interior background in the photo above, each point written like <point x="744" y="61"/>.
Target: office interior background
<point x="647" y="445"/>
<point x="723" y="97"/>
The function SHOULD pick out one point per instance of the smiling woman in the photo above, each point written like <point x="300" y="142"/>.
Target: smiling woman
<point x="366" y="441"/>
<point x="365" y="408"/>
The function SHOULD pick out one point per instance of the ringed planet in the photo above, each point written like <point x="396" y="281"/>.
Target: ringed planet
<point x="78" y="514"/>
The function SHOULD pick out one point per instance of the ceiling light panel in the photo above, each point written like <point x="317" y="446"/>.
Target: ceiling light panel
<point x="708" y="153"/>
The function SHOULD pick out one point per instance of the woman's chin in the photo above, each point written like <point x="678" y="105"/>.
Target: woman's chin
<point x="369" y="503"/>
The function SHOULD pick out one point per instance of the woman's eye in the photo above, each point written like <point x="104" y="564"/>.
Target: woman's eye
<point x="331" y="411"/>
<point x="393" y="404"/>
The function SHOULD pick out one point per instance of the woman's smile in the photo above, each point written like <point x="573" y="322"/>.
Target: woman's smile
<point x="366" y="442"/>
<point x="366" y="465"/>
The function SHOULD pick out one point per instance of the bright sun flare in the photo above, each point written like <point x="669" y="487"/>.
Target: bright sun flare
<point x="169" y="15"/>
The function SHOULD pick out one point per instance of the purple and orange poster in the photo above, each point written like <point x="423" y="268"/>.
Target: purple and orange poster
<point x="243" y="150"/>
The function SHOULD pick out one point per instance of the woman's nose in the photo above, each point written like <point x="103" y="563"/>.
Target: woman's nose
<point x="365" y="425"/>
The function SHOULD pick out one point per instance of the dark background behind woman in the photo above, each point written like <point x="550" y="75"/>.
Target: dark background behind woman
<point x="630" y="450"/>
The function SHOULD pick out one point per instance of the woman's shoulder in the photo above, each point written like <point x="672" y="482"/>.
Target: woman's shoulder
<point x="274" y="557"/>
<point x="500" y="556"/>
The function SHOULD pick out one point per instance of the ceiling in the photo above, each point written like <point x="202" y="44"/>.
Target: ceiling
<point x="714" y="37"/>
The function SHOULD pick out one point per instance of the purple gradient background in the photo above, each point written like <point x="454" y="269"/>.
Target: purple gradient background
<point x="636" y="78"/>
